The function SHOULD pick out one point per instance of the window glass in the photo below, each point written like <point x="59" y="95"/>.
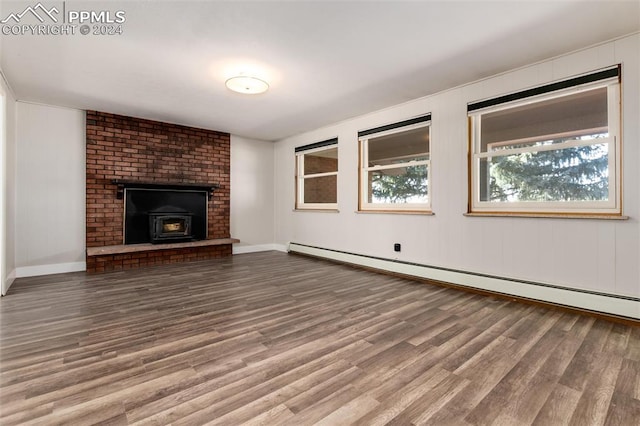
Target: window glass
<point x="321" y="189"/>
<point x="399" y="147"/>
<point x="571" y="174"/>
<point x="399" y="185"/>
<point x="543" y="122"/>
<point x="321" y="161"/>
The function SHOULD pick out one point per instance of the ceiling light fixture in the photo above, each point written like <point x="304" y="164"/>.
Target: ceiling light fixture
<point x="247" y="85"/>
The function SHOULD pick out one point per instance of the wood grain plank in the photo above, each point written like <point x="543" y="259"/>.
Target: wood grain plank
<point x="559" y="406"/>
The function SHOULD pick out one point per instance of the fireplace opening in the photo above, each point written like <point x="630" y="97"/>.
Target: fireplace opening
<point x="161" y="216"/>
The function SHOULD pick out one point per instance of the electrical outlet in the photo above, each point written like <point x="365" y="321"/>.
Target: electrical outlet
<point x="396" y="247"/>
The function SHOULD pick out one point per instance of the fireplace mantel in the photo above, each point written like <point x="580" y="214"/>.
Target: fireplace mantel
<point x="122" y="184"/>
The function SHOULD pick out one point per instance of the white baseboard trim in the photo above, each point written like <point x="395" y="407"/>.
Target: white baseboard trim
<point x="258" y="247"/>
<point x="582" y="299"/>
<point x="56" y="268"/>
<point x="8" y="281"/>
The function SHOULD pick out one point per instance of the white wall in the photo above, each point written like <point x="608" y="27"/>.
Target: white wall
<point x="8" y="189"/>
<point x="50" y="221"/>
<point x="252" y="194"/>
<point x="597" y="255"/>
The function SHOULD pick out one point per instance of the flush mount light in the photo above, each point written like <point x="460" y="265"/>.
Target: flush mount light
<point x="247" y="85"/>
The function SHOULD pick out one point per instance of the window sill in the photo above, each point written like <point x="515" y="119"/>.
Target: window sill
<point x="318" y="210"/>
<point x="411" y="212"/>
<point x="604" y="216"/>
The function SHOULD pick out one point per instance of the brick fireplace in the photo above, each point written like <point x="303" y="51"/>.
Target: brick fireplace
<point x="121" y="148"/>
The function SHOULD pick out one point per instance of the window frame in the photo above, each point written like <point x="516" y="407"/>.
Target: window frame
<point x="610" y="207"/>
<point x="364" y="169"/>
<point x="300" y="176"/>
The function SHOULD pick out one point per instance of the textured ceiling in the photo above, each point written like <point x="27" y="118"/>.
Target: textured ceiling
<point x="325" y="61"/>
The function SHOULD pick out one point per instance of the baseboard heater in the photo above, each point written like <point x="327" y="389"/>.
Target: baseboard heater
<point x="622" y="306"/>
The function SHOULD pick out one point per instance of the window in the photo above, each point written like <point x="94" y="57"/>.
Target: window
<point x="554" y="149"/>
<point x="317" y="175"/>
<point x="395" y="166"/>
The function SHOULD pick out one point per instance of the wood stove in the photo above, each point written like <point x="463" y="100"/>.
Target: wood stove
<point x="170" y="227"/>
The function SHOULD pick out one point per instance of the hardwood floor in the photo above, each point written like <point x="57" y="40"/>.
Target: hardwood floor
<point x="270" y="338"/>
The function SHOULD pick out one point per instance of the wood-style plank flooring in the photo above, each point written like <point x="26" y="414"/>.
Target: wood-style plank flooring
<point x="270" y="338"/>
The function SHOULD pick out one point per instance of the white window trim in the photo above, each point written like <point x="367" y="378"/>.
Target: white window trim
<point x="611" y="206"/>
<point x="300" y="178"/>
<point x="364" y="205"/>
